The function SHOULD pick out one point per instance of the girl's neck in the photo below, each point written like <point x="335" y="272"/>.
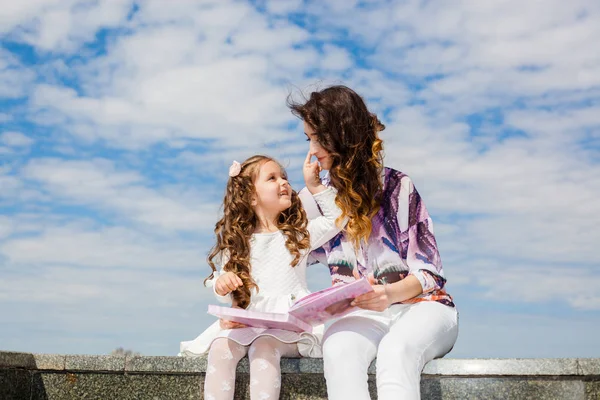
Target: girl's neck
<point x="266" y="226"/>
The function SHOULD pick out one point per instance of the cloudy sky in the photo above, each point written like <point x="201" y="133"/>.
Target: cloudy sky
<point x="119" y="119"/>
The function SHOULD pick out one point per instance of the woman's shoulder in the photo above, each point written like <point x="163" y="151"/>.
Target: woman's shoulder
<point x="393" y="177"/>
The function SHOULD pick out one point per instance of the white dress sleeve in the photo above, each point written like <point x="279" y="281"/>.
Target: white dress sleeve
<point x="211" y="283"/>
<point x="323" y="227"/>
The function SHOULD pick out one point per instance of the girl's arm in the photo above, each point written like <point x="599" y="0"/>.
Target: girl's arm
<point x="322" y="228"/>
<point x="223" y="283"/>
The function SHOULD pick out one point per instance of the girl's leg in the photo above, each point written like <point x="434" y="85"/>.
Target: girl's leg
<point x="265" y="370"/>
<point x="223" y="358"/>
<point x="419" y="333"/>
<point x="349" y="346"/>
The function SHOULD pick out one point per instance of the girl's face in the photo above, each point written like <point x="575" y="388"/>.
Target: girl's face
<point x="316" y="149"/>
<point x="273" y="192"/>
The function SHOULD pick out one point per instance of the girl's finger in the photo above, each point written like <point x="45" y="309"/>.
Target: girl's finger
<point x="233" y="282"/>
<point x="308" y="157"/>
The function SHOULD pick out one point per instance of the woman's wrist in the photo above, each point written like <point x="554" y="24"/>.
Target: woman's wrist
<point x="390" y="292"/>
<point x="403" y="290"/>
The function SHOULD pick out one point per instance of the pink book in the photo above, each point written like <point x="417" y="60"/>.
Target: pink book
<point x="311" y="310"/>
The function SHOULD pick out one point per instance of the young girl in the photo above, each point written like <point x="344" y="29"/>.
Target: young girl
<point x="262" y="243"/>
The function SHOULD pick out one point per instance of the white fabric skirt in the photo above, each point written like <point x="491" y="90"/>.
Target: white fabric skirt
<point x="309" y="344"/>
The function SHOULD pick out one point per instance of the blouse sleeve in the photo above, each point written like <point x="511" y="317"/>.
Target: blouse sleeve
<point x="323" y="227"/>
<point x="416" y="226"/>
<point x="211" y="283"/>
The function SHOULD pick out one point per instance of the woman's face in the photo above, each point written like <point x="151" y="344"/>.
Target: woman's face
<point x="316" y="149"/>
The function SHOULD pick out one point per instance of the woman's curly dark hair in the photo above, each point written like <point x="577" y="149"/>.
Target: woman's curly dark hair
<point x="239" y="222"/>
<point x="348" y="131"/>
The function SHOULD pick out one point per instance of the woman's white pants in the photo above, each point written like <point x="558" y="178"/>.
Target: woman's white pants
<point x="403" y="338"/>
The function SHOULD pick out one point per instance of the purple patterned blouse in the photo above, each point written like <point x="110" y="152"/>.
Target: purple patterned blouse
<point x="401" y="243"/>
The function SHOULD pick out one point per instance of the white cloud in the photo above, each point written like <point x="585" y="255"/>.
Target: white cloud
<point x="520" y="334"/>
<point x="93" y="247"/>
<point x="5" y="226"/>
<point x="282" y="6"/>
<point x="14" y="78"/>
<point x="98" y="184"/>
<point x="335" y="58"/>
<point x="15" y="139"/>
<point x="61" y="26"/>
<point x="528" y="283"/>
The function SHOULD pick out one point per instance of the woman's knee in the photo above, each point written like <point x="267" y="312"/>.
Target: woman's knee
<point x="398" y="349"/>
<point x="347" y="350"/>
<point x="337" y="348"/>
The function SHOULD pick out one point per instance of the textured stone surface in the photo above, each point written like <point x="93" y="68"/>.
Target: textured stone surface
<point x="50" y="377"/>
<point x="94" y="363"/>
<point x="69" y="386"/>
<point x="160" y="364"/>
<point x="299" y="387"/>
<point x="15" y="384"/>
<point x="500" y="389"/>
<point x="518" y="367"/>
<point x="52" y="362"/>
<point x="589" y="366"/>
<point x="592" y="390"/>
<point x="16" y="360"/>
<point x="293" y="387"/>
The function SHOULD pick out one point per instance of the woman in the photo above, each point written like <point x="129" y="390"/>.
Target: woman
<point x="408" y="319"/>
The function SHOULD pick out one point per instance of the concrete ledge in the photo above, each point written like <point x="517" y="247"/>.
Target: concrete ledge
<point x="51" y="376"/>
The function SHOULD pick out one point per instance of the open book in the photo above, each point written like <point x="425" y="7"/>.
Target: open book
<point x="307" y="312"/>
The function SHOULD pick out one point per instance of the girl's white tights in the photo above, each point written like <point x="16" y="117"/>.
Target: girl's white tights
<point x="264" y="355"/>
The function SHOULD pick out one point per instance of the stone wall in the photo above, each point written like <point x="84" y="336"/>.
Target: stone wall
<point x="52" y="377"/>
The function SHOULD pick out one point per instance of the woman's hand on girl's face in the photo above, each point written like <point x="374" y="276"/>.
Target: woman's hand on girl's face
<point x="311" y="172"/>
<point x="227" y="283"/>
<point x="377" y="300"/>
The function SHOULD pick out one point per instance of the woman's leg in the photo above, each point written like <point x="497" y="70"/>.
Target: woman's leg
<point x="419" y="333"/>
<point x="223" y="358"/>
<point x="349" y="346"/>
<point x="265" y="370"/>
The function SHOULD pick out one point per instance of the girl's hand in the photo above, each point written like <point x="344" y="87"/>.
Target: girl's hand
<point x="377" y="300"/>
<point x="231" y="325"/>
<point x="227" y="283"/>
<point x="311" y="172"/>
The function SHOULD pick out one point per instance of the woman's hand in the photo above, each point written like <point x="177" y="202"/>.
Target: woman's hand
<point x="377" y="300"/>
<point x="227" y="283"/>
<point x="311" y="172"/>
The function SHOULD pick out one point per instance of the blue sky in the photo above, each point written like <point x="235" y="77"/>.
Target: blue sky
<point x="119" y="119"/>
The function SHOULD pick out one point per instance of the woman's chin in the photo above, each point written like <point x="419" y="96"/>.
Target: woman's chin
<point x="325" y="165"/>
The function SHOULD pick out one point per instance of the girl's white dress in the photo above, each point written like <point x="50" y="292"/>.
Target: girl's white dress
<point x="280" y="284"/>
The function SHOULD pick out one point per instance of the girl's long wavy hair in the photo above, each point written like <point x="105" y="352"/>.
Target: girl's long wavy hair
<point x="348" y="131"/>
<point x="239" y="222"/>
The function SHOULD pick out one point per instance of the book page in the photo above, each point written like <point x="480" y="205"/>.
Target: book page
<point x="319" y="307"/>
<point x="259" y="319"/>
